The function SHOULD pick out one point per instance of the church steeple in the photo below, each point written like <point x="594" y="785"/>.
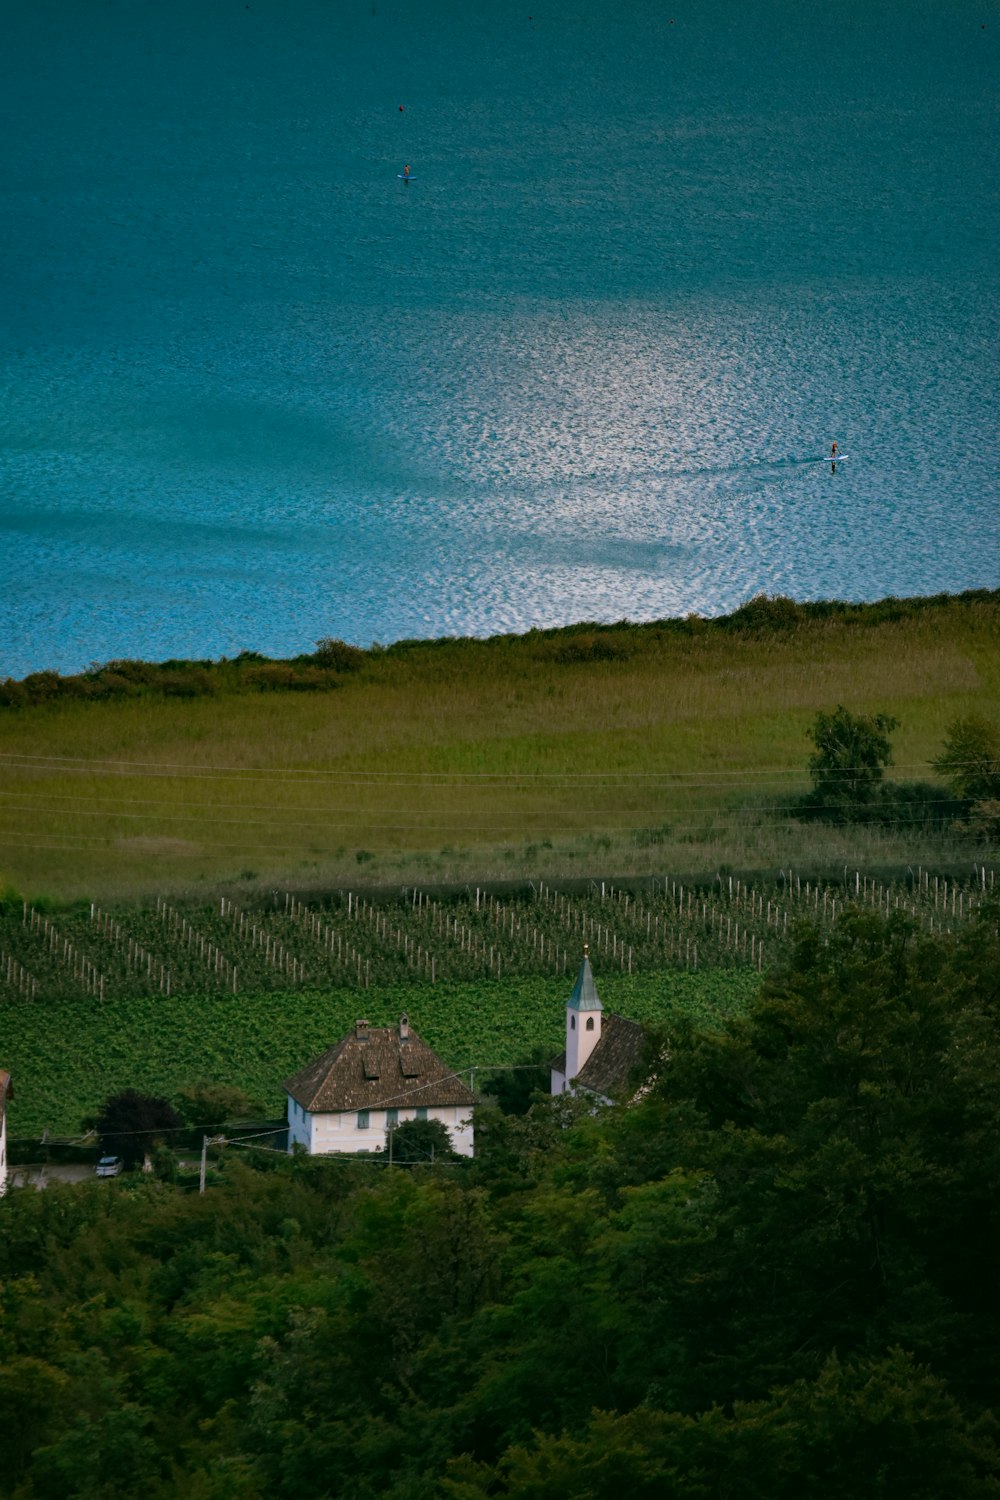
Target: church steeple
<point x="583" y="1019"/>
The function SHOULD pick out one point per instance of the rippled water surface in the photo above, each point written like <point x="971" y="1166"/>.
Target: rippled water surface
<point x="587" y="364"/>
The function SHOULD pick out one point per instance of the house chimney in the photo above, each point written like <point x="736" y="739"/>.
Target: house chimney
<point x="361" y="1030"/>
<point x="404" y="1028"/>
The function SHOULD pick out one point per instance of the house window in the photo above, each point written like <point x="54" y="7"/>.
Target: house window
<point x="421" y="1112"/>
<point x="362" y="1119"/>
<point x="590" y="1023"/>
<point x="391" y="1117"/>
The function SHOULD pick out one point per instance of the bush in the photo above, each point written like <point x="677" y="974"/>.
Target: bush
<point x="589" y="648"/>
<point x="916" y="805"/>
<point x="338" y="656"/>
<point x="42" y="687"/>
<point x="186" y="684"/>
<point x="279" y="677"/>
<point x="766" y="613"/>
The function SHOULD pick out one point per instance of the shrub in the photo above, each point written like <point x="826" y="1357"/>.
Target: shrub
<point x="338" y="656"/>
<point x="42" y="687"/>
<point x="765" y="613"/>
<point x="186" y="684"/>
<point x="279" y="677"/>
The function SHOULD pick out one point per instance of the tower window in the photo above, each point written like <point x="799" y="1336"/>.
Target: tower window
<point x="590" y="1023"/>
<point x="572" y="1023"/>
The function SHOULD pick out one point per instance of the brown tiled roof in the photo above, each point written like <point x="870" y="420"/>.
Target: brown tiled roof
<point x="379" y="1070"/>
<point x="619" y="1051"/>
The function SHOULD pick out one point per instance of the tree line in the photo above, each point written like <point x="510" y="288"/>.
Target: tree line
<point x="768" y="1271"/>
<point x="852" y="751"/>
<point x="334" y="660"/>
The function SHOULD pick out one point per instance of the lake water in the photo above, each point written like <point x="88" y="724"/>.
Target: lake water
<point x="258" y="390"/>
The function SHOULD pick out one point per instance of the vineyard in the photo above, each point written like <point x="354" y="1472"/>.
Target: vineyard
<point x="160" y="996"/>
<point x="353" y="941"/>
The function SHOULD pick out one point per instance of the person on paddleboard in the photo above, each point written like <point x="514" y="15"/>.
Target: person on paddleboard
<point x="406" y="171"/>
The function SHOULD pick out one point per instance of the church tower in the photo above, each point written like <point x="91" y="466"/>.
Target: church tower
<point x="583" y="1019"/>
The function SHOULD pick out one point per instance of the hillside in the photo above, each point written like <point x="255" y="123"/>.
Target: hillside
<point x="677" y="745"/>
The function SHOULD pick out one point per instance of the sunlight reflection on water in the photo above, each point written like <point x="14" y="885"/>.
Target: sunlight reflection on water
<point x="587" y="365"/>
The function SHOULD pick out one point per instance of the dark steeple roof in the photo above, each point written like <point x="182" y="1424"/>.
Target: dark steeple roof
<point x="614" y="1059"/>
<point x="585" y="996"/>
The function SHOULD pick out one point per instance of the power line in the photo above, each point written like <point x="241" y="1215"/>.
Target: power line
<point x="185" y="770"/>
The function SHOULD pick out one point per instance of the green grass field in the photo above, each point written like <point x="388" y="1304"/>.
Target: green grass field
<point x="598" y="749"/>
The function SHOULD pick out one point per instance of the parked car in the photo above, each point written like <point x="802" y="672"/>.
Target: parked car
<point x="109" y="1166"/>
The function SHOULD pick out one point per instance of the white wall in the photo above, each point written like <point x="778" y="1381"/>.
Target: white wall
<point x="583" y="1032"/>
<point x="299" y="1126"/>
<point x="322" y="1133"/>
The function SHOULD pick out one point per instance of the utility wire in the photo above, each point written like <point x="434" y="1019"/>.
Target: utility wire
<point x="187" y="770"/>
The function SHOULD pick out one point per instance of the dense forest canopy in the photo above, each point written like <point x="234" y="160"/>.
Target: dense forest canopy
<point x="771" y="1273"/>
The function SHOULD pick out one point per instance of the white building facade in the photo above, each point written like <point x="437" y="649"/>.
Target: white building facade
<point x="349" y="1099"/>
<point x="583" y="1028"/>
<point x="367" y="1130"/>
<point x="5" y="1093"/>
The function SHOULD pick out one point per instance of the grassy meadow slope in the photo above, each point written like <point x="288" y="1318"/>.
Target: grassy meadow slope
<point x="669" y="746"/>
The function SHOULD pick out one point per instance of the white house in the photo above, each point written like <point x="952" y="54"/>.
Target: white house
<point x="375" y="1077"/>
<point x="602" y="1049"/>
<point x="6" y="1092"/>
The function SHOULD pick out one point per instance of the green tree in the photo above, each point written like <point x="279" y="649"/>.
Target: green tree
<point x="204" y="1104"/>
<point x="515" y="1088"/>
<point x="421" y="1141"/>
<point x="970" y="760"/>
<point x="849" y="1125"/>
<point x="852" y="751"/>
<point x="879" y="1428"/>
<point x="31" y="1407"/>
<point x="130" y="1124"/>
